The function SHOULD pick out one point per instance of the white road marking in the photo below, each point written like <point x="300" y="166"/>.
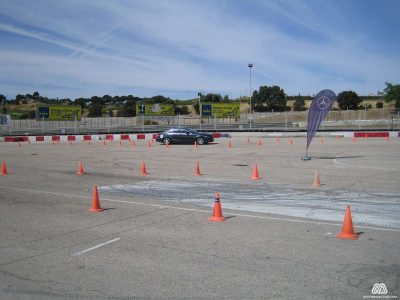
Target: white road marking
<point x="95" y="247"/>
<point x="361" y="167"/>
<point x="201" y="210"/>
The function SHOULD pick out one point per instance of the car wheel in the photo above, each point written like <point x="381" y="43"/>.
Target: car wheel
<point x="200" y="141"/>
<point x="166" y="141"/>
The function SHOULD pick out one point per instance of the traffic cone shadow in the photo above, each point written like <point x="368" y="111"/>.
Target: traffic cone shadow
<point x="95" y="201"/>
<point x="347" y="232"/>
<point x="217" y="211"/>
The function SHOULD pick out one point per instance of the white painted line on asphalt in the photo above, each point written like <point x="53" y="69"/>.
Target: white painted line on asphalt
<point x="361" y="167"/>
<point x="202" y="210"/>
<point x="95" y="247"/>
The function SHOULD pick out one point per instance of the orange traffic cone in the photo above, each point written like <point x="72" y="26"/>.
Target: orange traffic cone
<point x="120" y="143"/>
<point x="143" y="169"/>
<point x="291" y="141"/>
<point x="229" y="144"/>
<point x="366" y="136"/>
<point x="80" y="169"/>
<point x="277" y="140"/>
<point x="316" y="182"/>
<point x="259" y="143"/>
<point x="95" y="201"/>
<point x="321" y="141"/>
<point x="217" y="211"/>
<point x="347" y="229"/>
<point x="197" y="169"/>
<point x="387" y="139"/>
<point x="337" y="138"/>
<point x="3" y="168"/>
<point x="255" y="173"/>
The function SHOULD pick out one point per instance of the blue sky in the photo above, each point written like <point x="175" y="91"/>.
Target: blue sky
<point x="178" y="48"/>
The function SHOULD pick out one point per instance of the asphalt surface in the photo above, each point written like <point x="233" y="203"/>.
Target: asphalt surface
<point x="153" y="241"/>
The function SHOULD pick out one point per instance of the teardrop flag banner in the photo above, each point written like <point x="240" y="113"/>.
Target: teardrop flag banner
<point x="320" y="107"/>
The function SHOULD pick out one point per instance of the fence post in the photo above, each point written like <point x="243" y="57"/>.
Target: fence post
<point x="286" y="120"/>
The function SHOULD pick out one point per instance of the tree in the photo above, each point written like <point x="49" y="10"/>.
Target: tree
<point x="96" y="110"/>
<point x="299" y="104"/>
<point x="36" y="95"/>
<point x="348" y="100"/>
<point x="392" y="93"/>
<point x="270" y="98"/>
<point x="181" y="110"/>
<point x="379" y="104"/>
<point x="81" y="102"/>
<point x="19" y="97"/>
<point x="2" y="98"/>
<point x="97" y="100"/>
<point x="211" y="98"/>
<point x="128" y="110"/>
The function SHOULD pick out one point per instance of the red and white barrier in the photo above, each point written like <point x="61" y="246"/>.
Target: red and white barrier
<point x="216" y="135"/>
<point x="84" y="138"/>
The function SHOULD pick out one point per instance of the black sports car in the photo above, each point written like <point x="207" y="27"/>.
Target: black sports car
<point x="184" y="135"/>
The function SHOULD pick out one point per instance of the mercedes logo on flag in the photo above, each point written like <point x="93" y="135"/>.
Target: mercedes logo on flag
<point x="323" y="102"/>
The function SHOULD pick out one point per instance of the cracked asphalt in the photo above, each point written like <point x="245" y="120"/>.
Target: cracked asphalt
<point x="168" y="250"/>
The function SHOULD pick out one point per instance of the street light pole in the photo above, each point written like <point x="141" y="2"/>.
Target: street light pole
<point x="199" y="94"/>
<point x="250" y="66"/>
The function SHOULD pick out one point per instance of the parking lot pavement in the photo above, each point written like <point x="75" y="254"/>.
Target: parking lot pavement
<point x="154" y="241"/>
